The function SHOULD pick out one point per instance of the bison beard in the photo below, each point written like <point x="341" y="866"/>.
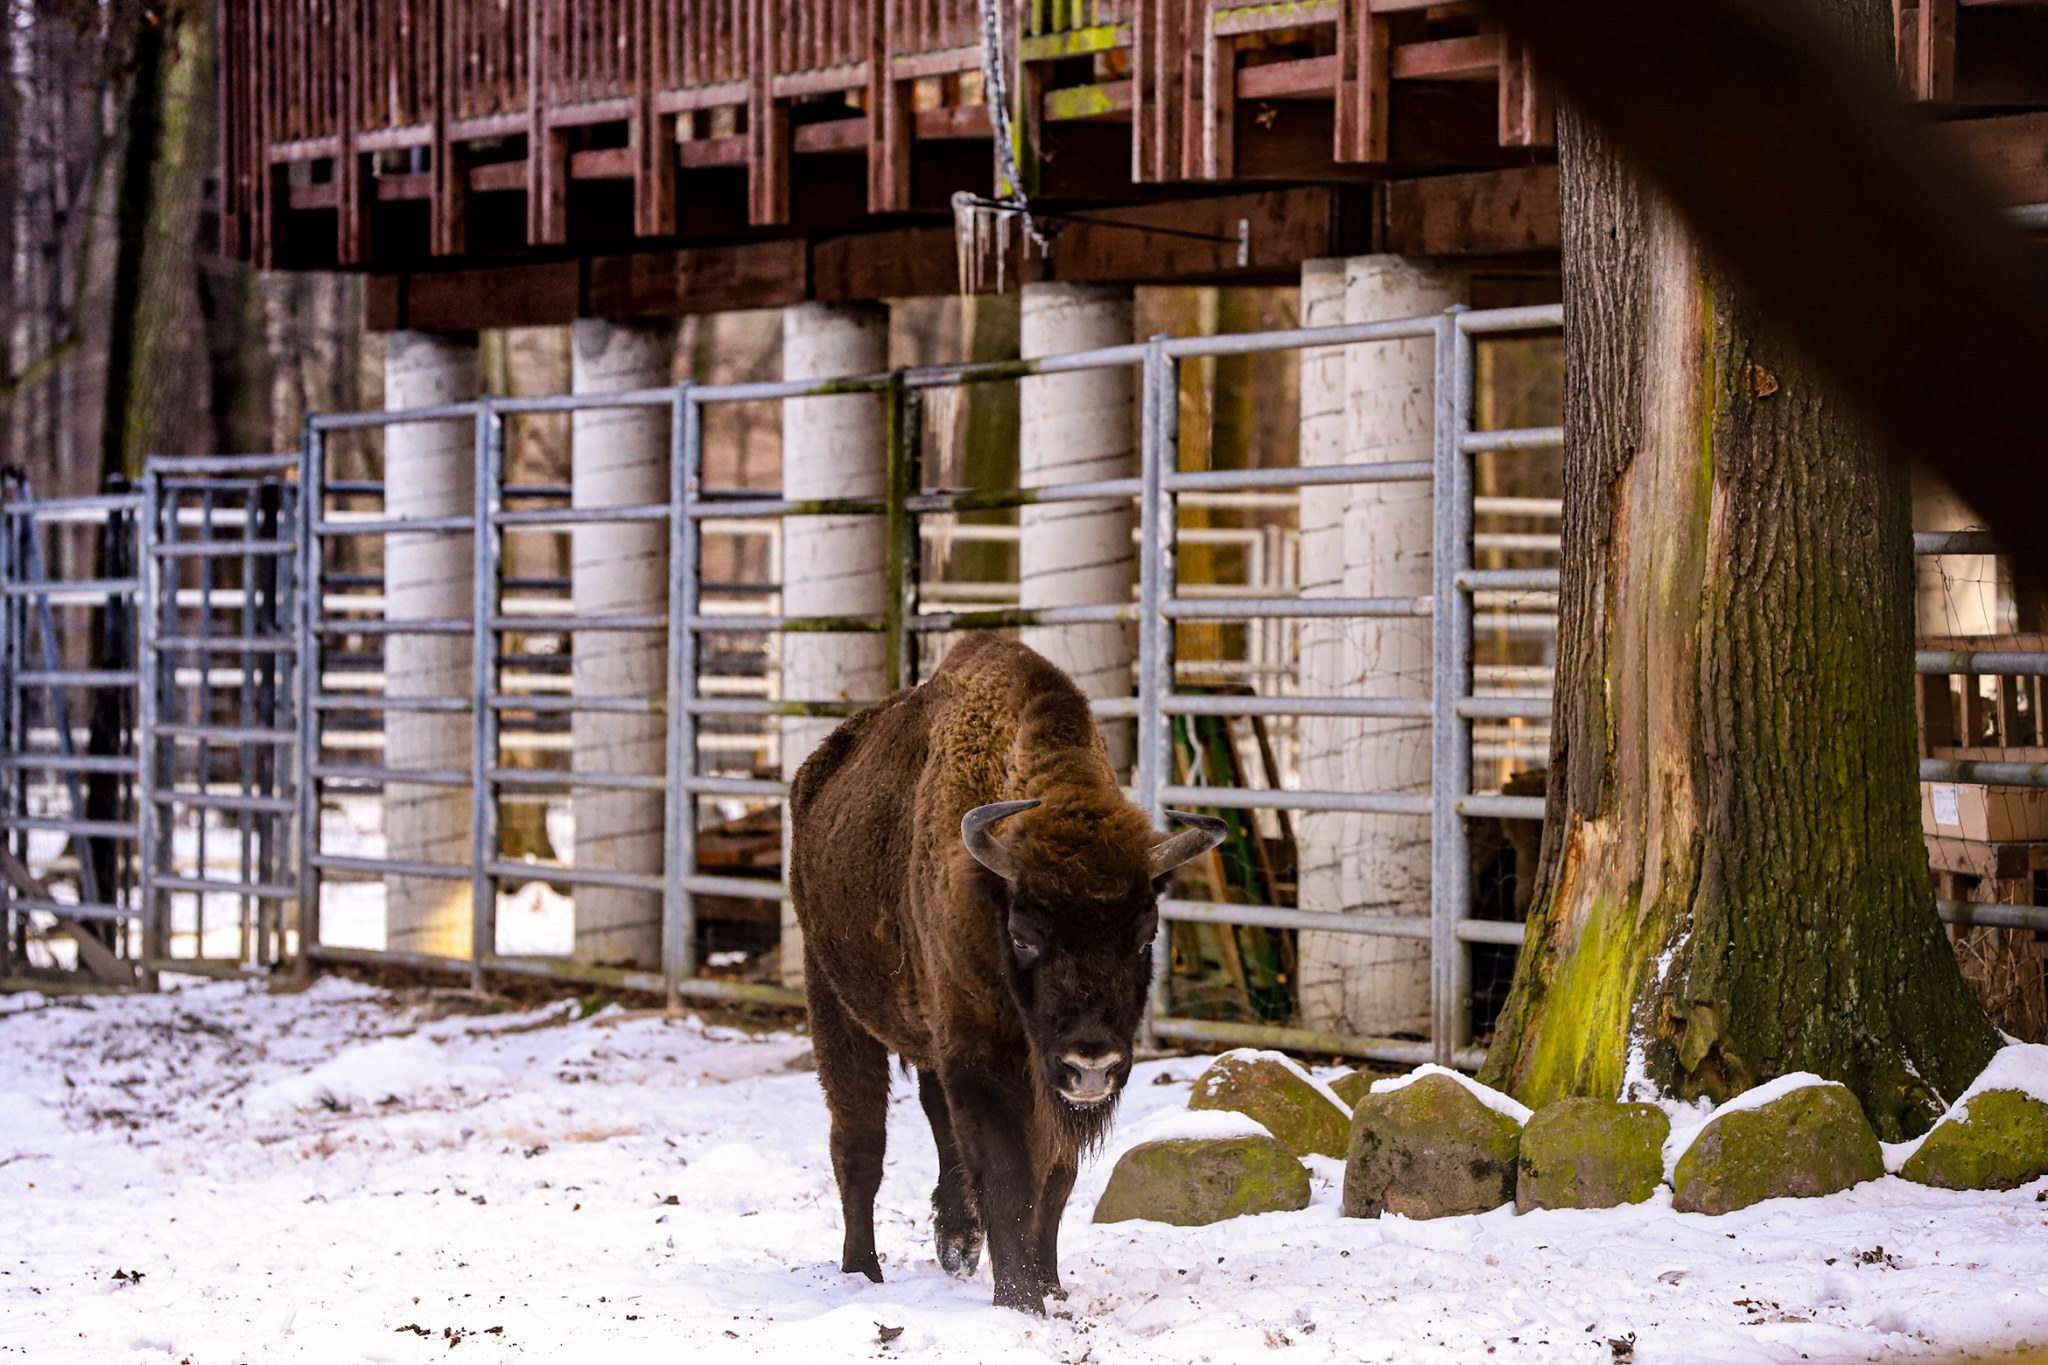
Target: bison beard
<point x="978" y="898"/>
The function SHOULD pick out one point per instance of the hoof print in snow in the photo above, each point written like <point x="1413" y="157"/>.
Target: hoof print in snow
<point x="1272" y="1089"/>
<point x="1191" y="1181"/>
<point x="1587" y="1153"/>
<point x="1429" y="1149"/>
<point x="1353" y="1086"/>
<point x="1811" y="1142"/>
<point x="1998" y="1140"/>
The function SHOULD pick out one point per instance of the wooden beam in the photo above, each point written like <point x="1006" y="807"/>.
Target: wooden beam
<point x="460" y="300"/>
<point x="1306" y="79"/>
<point x="833" y="135"/>
<point x="2009" y="152"/>
<point x="698" y="280"/>
<point x="1492" y="213"/>
<point x="888" y="104"/>
<point x="1476" y="58"/>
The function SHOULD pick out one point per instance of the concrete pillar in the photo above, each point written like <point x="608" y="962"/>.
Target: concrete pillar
<point x="835" y="447"/>
<point x="619" y="457"/>
<point x="1958" y="594"/>
<point x="429" y="471"/>
<point x="1076" y="427"/>
<point x="1367" y="540"/>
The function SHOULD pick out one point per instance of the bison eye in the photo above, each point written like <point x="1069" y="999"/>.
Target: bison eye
<point x="1026" y="951"/>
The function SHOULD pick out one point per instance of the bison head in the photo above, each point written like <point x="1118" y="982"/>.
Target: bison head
<point x="1076" y="894"/>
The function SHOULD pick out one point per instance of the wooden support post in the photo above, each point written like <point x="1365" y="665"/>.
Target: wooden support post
<point x="652" y="138"/>
<point x="767" y="126"/>
<point x="547" y="151"/>
<point x="1219" y="100"/>
<point x="890" y="119"/>
<point x="1159" y="43"/>
<point x="1528" y="113"/>
<point x="1937" y="713"/>
<point x="1365" y="72"/>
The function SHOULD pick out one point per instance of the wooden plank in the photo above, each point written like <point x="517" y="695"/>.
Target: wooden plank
<point x="602" y="163"/>
<point x="392" y="189"/>
<point x="2006" y="709"/>
<point x="1272" y="18"/>
<point x="458" y="300"/>
<point x="1490" y="213"/>
<point x="1475" y="58"/>
<point x="2010" y="152"/>
<point x="945" y="62"/>
<point x="698" y="280"/>
<point x="1934" y="41"/>
<point x="833" y="135"/>
<point x="652" y="138"/>
<point x="1106" y="100"/>
<point x="905" y="263"/>
<point x="1308" y="78"/>
<point x="1219" y="101"/>
<point x="889" y="106"/>
<point x="824" y="81"/>
<point x="1365" y="71"/>
<point x="953" y="123"/>
<point x="496" y="177"/>
<point x="712" y="151"/>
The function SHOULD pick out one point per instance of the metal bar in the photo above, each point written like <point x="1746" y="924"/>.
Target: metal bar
<point x="225" y="734"/>
<point x="1506" y="580"/>
<point x="564" y="624"/>
<point x="124" y="765"/>
<point x="341" y="527"/>
<point x="281" y="462"/>
<point x="389" y="867"/>
<point x="1261" y="608"/>
<point x="77" y="677"/>
<point x="738" y="888"/>
<point x="1370" y="708"/>
<point x="1505" y="708"/>
<point x="72" y="592"/>
<point x="1450" y="683"/>
<point x="584" y="402"/>
<point x="901" y="546"/>
<point x="1268" y="798"/>
<point x="1507" y="933"/>
<point x="1974" y="913"/>
<point x="374" y="774"/>
<point x="222" y="549"/>
<point x="42" y="509"/>
<point x="391" y="417"/>
<point x="422" y="625"/>
<point x="1530" y="318"/>
<point x="540" y="779"/>
<point x="1503" y="807"/>
<point x="1154" y="683"/>
<point x="1512" y="438"/>
<point x="307" y="610"/>
<point x="1298" y="338"/>
<point x="706" y="625"/>
<point x="766" y="706"/>
<point x="1288" y="917"/>
<point x="1305" y="476"/>
<point x="76" y="825"/>
<point x="573" y="876"/>
<point x="1400" y="1053"/>
<point x="942" y="622"/>
<point x="378" y="704"/>
<point x="206" y="886"/>
<point x="1971" y="770"/>
<point x="273" y="805"/>
<point x="1954" y="543"/>
<point x="558" y="518"/>
<point x="175" y="644"/>
<point x="2005" y="663"/>
<point x="615" y="706"/>
<point x="91" y="910"/>
<point x="679" y="811"/>
<point x="483" y="739"/>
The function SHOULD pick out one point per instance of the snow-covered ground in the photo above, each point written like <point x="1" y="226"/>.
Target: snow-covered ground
<point x="217" y="1174"/>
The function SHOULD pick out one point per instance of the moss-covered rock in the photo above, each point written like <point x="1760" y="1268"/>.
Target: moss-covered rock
<point x="1270" y="1088"/>
<point x="1590" y="1154"/>
<point x="1191" y="1181"/>
<point x="1353" y="1086"/>
<point x="1997" y="1141"/>
<point x="1811" y="1142"/>
<point x="1429" y="1149"/>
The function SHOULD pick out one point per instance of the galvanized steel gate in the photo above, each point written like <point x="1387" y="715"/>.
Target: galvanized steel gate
<point x="234" y="742"/>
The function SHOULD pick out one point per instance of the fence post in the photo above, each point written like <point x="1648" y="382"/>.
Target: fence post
<point x="1153" y="681"/>
<point x="483" y="744"/>
<point x="312" y="499"/>
<point x="148" y="671"/>
<point x="679" y="905"/>
<point x="1450" y="871"/>
<point x="899" y="665"/>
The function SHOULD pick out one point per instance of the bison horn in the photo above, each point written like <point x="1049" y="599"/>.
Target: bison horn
<point x="986" y="848"/>
<point x="1203" y="834"/>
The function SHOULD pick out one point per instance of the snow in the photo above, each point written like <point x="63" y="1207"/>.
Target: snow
<point x="520" y="1178"/>
<point x="1687" y="1125"/>
<point x="1486" y="1095"/>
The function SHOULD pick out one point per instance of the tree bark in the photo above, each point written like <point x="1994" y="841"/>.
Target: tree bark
<point x="1734" y="885"/>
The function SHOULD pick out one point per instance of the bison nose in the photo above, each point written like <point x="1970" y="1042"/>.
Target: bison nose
<point x="1090" y="1078"/>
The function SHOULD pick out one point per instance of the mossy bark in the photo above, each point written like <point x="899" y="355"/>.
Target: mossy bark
<point x="1733" y="885"/>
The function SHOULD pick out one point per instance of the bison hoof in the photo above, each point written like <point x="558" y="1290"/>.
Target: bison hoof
<point x="1023" y="1298"/>
<point x="869" y="1265"/>
<point x="959" y="1248"/>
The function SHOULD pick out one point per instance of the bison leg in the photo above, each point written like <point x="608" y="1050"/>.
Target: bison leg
<point x="1052" y="1205"/>
<point x="991" y="1121"/>
<point x="854" y="1070"/>
<point x="956" y="1224"/>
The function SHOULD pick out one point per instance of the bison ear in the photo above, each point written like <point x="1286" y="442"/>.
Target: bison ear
<point x="1203" y="834"/>
<point x="986" y="848"/>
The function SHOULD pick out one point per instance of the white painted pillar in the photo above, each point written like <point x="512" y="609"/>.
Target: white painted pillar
<point x="429" y="471"/>
<point x="834" y="447"/>
<point x="1073" y="428"/>
<point x="1379" y="864"/>
<point x="1958" y="594"/>
<point x="619" y="457"/>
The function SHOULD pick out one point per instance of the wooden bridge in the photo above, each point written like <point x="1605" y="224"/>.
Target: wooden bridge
<point x="527" y="160"/>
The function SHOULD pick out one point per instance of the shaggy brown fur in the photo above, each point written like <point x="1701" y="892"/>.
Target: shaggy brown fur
<point x="981" y="983"/>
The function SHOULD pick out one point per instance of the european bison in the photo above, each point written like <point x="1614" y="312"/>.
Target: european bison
<point x="978" y="898"/>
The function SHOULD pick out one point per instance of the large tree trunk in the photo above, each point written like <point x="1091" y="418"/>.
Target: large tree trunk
<point x="1734" y="885"/>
